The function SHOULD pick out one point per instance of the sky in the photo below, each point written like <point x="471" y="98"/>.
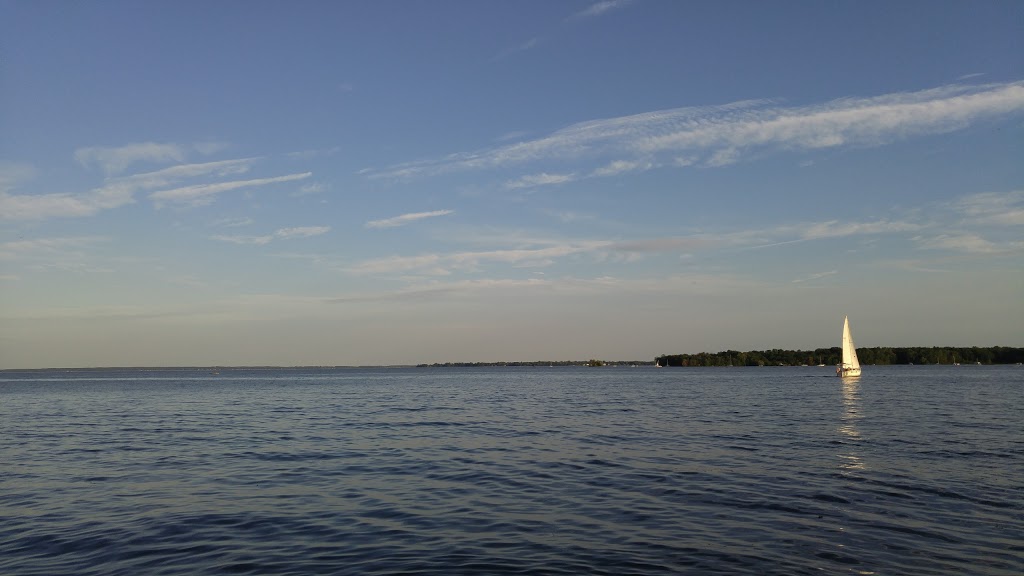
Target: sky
<point x="399" y="182"/>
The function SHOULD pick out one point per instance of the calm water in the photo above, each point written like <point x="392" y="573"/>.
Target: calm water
<point x="910" y="470"/>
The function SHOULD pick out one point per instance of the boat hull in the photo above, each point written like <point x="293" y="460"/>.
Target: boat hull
<point x="847" y="372"/>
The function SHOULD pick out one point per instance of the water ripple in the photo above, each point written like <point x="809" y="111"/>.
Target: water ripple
<point x="511" y="471"/>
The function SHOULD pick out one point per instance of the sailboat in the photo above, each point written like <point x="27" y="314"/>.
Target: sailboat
<point x="849" y="366"/>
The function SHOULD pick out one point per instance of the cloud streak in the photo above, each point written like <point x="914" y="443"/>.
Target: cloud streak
<point x="622" y="166"/>
<point x="63" y="205"/>
<point x="19" y="249"/>
<point x="202" y="194"/>
<point x="817" y="276"/>
<point x="280" y="234"/>
<point x="833" y="229"/>
<point x="546" y="253"/>
<point x="994" y="208"/>
<point x="542" y="179"/>
<point x="721" y="135"/>
<point x="441" y="264"/>
<point x="406" y="219"/>
<point x="168" y="176"/>
<point x="600" y="8"/>
<point x="966" y="242"/>
<point x="528" y="45"/>
<point x="115" y="192"/>
<point x="117" y="160"/>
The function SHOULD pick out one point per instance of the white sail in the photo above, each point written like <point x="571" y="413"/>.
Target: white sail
<point x="850" y="365"/>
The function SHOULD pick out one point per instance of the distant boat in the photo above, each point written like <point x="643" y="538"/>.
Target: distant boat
<point x="849" y="366"/>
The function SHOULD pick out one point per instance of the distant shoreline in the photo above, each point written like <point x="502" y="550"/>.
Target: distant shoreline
<point x="994" y="355"/>
<point x="543" y="363"/>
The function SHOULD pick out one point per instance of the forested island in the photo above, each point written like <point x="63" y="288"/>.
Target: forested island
<point x="831" y="356"/>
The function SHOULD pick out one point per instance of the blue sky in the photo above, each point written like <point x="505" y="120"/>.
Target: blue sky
<point x="272" y="183"/>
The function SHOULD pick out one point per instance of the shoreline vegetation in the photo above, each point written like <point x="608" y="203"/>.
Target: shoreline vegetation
<point x="868" y="356"/>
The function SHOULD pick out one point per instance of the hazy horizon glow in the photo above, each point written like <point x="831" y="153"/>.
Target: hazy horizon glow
<point x="379" y="184"/>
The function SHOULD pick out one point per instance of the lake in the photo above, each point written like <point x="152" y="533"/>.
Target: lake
<point x="614" y="470"/>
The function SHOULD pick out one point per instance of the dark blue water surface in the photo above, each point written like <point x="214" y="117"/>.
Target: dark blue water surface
<point x="908" y="470"/>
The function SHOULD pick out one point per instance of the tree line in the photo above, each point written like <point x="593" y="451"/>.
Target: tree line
<point x="831" y="356"/>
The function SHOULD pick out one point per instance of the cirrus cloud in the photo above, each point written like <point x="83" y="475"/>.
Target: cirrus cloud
<point x="279" y="234"/>
<point x="723" y="134"/>
<point x="116" y="191"/>
<point x="114" y="160"/>
<point x="406" y="219"/>
<point x="202" y="194"/>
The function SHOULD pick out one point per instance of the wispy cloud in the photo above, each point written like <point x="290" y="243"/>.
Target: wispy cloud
<point x="406" y="219"/>
<point x="966" y="242"/>
<point x="849" y="121"/>
<point x="969" y="76"/>
<point x="314" y="153"/>
<point x="835" y="229"/>
<point x="994" y="208"/>
<point x="544" y="252"/>
<point x="115" y="192"/>
<point x="571" y="216"/>
<point x="308" y="189"/>
<point x="14" y="173"/>
<point x="565" y="286"/>
<point x="599" y="8"/>
<point x="302" y="231"/>
<point x="651" y="245"/>
<point x="542" y="179"/>
<point x="720" y="135"/>
<point x="434" y="290"/>
<point x="63" y="253"/>
<point x="723" y="157"/>
<point x="173" y="174"/>
<point x="622" y="166"/>
<point x="116" y="160"/>
<point x="210" y="148"/>
<point x="817" y="276"/>
<point x="514" y="135"/>
<point x="439" y="264"/>
<point x="19" y="249"/>
<point x="280" y="234"/>
<point x="202" y="194"/>
<point x="527" y="45"/>
<point x="535" y="252"/>
<point x="233" y="222"/>
<point x="60" y="205"/>
<point x="804" y="232"/>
